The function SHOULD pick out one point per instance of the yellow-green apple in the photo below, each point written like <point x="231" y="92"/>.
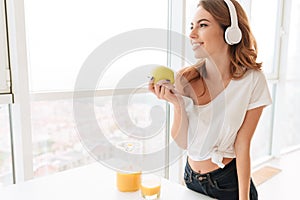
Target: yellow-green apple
<point x="162" y="73"/>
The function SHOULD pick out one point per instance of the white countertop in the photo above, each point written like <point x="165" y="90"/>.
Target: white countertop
<point x="88" y="182"/>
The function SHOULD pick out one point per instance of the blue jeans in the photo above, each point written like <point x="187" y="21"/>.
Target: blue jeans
<point x="220" y="184"/>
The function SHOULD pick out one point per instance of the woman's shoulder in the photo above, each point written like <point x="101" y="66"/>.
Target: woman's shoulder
<point x="252" y="79"/>
<point x="254" y="74"/>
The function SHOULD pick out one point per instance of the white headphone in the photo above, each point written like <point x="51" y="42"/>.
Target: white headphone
<point x="233" y="33"/>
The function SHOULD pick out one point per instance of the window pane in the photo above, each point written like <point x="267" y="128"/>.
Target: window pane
<point x="6" y="174"/>
<point x="62" y="34"/>
<point x="290" y="124"/>
<point x="263" y="23"/>
<point x="293" y="69"/>
<point x="262" y="139"/>
<point x="56" y="145"/>
<point x="290" y="121"/>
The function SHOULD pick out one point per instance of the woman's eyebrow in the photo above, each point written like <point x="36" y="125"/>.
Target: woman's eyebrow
<point x="200" y="20"/>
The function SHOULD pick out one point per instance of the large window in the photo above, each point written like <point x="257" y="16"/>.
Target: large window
<point x="61" y="35"/>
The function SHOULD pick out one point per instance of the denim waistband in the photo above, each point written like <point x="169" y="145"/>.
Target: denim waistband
<point x="216" y="173"/>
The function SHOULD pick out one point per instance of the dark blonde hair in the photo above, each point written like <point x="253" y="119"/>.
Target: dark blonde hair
<point x="242" y="55"/>
<point x="188" y="74"/>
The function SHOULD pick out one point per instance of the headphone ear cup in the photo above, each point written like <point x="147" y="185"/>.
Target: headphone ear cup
<point x="233" y="35"/>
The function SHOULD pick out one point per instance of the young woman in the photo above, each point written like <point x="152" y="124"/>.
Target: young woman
<point x="218" y="102"/>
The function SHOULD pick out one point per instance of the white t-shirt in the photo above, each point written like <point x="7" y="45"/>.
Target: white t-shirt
<point x="213" y="127"/>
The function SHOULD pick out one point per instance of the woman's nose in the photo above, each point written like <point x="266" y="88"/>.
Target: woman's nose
<point x="193" y="34"/>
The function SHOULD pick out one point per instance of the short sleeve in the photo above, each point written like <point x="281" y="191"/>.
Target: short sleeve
<point x="260" y="95"/>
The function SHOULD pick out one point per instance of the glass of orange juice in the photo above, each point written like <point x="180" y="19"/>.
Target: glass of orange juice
<point x="128" y="182"/>
<point x="150" y="186"/>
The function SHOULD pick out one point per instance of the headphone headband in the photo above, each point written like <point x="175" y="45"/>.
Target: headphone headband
<point x="233" y="34"/>
<point x="233" y="15"/>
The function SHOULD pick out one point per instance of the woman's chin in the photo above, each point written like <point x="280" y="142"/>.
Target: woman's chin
<point x="200" y="56"/>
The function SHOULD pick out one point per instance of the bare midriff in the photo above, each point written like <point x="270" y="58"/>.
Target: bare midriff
<point x="206" y="166"/>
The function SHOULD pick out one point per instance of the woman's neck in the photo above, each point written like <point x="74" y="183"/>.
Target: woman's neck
<point x="218" y="69"/>
<point x="218" y="75"/>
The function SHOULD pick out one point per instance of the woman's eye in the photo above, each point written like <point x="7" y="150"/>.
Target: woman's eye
<point x="202" y="25"/>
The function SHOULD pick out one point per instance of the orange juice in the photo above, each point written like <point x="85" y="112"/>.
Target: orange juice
<point x="128" y="182"/>
<point x="150" y="190"/>
<point x="150" y="186"/>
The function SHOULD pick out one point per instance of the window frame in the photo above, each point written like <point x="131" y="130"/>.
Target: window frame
<point x="5" y="84"/>
<point x="20" y="108"/>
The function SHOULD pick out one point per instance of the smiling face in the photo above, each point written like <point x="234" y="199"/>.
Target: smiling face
<point x="207" y="36"/>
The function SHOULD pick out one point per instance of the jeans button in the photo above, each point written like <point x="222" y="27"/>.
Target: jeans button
<point x="201" y="178"/>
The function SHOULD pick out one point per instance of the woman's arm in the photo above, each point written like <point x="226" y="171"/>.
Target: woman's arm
<point x="242" y="150"/>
